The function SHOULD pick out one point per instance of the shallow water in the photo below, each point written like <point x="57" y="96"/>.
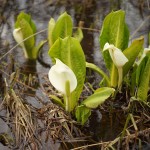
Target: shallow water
<point x="92" y="12"/>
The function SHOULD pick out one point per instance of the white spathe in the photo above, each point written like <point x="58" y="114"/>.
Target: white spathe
<point x="146" y="50"/>
<point x="118" y="58"/>
<point x="18" y="36"/>
<point x="59" y="74"/>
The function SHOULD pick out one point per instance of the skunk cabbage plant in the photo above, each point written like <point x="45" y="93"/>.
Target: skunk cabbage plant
<point x="114" y="31"/>
<point x="24" y="35"/>
<point x="63" y="79"/>
<point x="118" y="58"/>
<point x="69" y="51"/>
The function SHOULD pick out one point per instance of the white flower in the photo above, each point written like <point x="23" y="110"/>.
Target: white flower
<point x="118" y="58"/>
<point x="18" y="37"/>
<point x="59" y="74"/>
<point x="146" y="50"/>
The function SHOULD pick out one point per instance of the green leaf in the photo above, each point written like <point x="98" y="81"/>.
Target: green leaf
<point x="99" y="97"/>
<point x="144" y="80"/>
<point x="132" y="81"/>
<point x="36" y="49"/>
<point x="63" y="27"/>
<point x="27" y="17"/>
<point x="57" y="100"/>
<point x="78" y="34"/>
<point x="119" y="34"/>
<point x="99" y="71"/>
<point x="21" y="16"/>
<point x="82" y="114"/>
<point x="139" y="71"/>
<point x="70" y="52"/>
<point x="27" y="31"/>
<point x="28" y="28"/>
<point x="131" y="53"/>
<point x="51" y="26"/>
<point x="33" y="26"/>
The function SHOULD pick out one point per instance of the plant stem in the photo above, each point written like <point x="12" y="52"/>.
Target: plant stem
<point x="120" y="73"/>
<point x="113" y="77"/>
<point x="67" y="96"/>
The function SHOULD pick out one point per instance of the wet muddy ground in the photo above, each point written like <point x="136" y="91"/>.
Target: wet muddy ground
<point x="104" y="125"/>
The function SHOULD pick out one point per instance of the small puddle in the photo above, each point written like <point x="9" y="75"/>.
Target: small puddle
<point x="105" y="126"/>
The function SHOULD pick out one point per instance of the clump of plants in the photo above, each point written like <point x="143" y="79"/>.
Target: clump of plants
<point x="127" y="64"/>
<point x="124" y="63"/>
<point x="23" y="33"/>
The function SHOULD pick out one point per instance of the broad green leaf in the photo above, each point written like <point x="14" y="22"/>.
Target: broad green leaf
<point x="132" y="81"/>
<point x="99" y="71"/>
<point x="51" y="26"/>
<point x="104" y="38"/>
<point x="27" y="17"/>
<point x="114" y="31"/>
<point x="36" y="49"/>
<point x="118" y="30"/>
<point x="69" y="51"/>
<point x="21" y="16"/>
<point x="144" y="81"/>
<point x="27" y="31"/>
<point x="99" y="97"/>
<point x="139" y="71"/>
<point x="28" y="28"/>
<point x="131" y="53"/>
<point x="33" y="26"/>
<point x="82" y="114"/>
<point x="63" y="27"/>
<point x="104" y="34"/>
